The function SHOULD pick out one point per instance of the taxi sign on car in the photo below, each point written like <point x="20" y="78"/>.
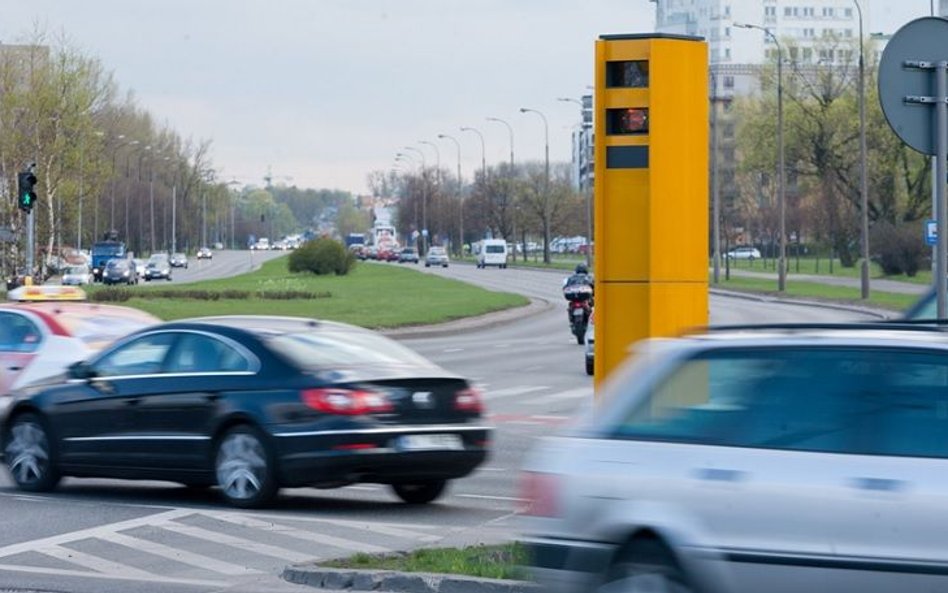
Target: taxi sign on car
<point x="46" y="293"/>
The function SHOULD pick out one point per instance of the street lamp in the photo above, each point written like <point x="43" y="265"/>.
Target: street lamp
<point x="128" y="157"/>
<point x="511" y="134"/>
<point x="864" y="178"/>
<point x="460" y="195"/>
<point x="483" y="150"/>
<point x="781" y="189"/>
<point x="546" y="192"/>
<point x="523" y="232"/>
<point x="586" y="193"/>
<point x="424" y="199"/>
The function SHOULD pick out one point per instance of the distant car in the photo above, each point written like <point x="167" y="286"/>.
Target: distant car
<point x="218" y="246"/>
<point x="744" y="252"/>
<point x="778" y="459"/>
<point x="158" y="267"/>
<point x="204" y="253"/>
<point x="179" y="260"/>
<point x="251" y="404"/>
<point x="119" y="271"/>
<point x="408" y="255"/>
<point x="436" y="256"/>
<point x="77" y="275"/>
<point x="140" y="267"/>
<point x="39" y="339"/>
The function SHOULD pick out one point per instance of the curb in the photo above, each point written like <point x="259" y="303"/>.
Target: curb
<point x="880" y="313"/>
<point x="469" y="324"/>
<point x="400" y="582"/>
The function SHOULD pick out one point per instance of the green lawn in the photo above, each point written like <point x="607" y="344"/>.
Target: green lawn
<point x="886" y="300"/>
<point x="821" y="267"/>
<point x="491" y="562"/>
<point x="372" y="295"/>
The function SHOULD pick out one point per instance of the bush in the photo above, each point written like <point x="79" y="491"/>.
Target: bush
<point x="322" y="256"/>
<point x="119" y="295"/>
<point x="899" y="249"/>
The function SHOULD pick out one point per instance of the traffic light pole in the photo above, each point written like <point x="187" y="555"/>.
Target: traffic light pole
<point x="29" y="244"/>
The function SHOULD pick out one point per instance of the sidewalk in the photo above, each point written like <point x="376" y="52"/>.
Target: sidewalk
<point x="880" y="284"/>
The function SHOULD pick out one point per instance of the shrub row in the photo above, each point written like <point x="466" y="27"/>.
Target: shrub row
<point x="322" y="256"/>
<point x="120" y="295"/>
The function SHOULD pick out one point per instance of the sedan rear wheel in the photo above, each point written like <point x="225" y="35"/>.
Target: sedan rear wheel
<point x="29" y="455"/>
<point x="244" y="468"/>
<point x="420" y="492"/>
<point x="646" y="567"/>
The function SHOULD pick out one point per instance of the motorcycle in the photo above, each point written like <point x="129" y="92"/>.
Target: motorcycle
<point x="579" y="308"/>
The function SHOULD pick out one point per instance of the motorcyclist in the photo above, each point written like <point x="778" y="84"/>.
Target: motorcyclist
<point x="580" y="275"/>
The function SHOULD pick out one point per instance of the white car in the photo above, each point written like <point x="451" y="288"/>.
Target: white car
<point x="783" y="458"/>
<point x="77" y="275"/>
<point x="744" y="252"/>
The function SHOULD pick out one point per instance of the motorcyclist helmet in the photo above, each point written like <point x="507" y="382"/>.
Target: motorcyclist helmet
<point x="582" y="269"/>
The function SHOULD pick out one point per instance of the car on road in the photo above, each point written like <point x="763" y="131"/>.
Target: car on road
<point x="44" y="329"/>
<point x="119" y="271"/>
<point x="744" y="252"/>
<point x="158" y="267"/>
<point x="408" y="255"/>
<point x="251" y="404"/>
<point x="140" y="265"/>
<point x="779" y="458"/>
<point x="179" y="260"/>
<point x="205" y="253"/>
<point x="436" y="256"/>
<point x="493" y="252"/>
<point x="77" y="275"/>
<point x="590" y="346"/>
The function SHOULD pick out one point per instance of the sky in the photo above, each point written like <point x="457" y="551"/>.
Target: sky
<point x="324" y="91"/>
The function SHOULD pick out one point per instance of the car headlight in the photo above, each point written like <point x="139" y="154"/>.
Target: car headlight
<point x="125" y="273"/>
<point x="95" y="270"/>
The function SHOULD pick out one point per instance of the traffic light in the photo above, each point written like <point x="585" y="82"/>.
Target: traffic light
<point x="26" y="195"/>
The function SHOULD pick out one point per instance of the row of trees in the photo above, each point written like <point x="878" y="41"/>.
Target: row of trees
<point x="512" y="202"/>
<point x="821" y="138"/>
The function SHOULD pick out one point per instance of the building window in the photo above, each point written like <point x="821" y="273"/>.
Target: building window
<point x="826" y="55"/>
<point x="849" y="13"/>
<point x="807" y="54"/>
<point x="770" y="11"/>
<point x="727" y="53"/>
<point x="787" y="11"/>
<point x="809" y="32"/>
<point x="728" y="130"/>
<point x="729" y="82"/>
<point x="727" y="32"/>
<point x="828" y="11"/>
<point x="808" y="11"/>
<point x="727" y="11"/>
<point x="848" y="33"/>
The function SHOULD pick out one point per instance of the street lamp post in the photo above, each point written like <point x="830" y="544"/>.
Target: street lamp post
<point x="586" y="193"/>
<point x="715" y="183"/>
<point x="864" y="178"/>
<point x="483" y="157"/>
<point x="404" y="157"/>
<point x="435" y="198"/>
<point x="511" y="134"/>
<point x="523" y="232"/>
<point x="460" y="196"/>
<point x="546" y="192"/>
<point x="128" y="188"/>
<point x="114" y="156"/>
<point x="781" y="186"/>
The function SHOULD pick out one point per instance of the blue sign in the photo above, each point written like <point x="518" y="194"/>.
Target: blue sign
<point x="931" y="232"/>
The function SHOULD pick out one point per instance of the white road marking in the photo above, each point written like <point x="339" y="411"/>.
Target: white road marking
<point x="99" y="565"/>
<point x="46" y="571"/>
<point x="555" y="418"/>
<point x="386" y="529"/>
<point x="493" y="469"/>
<point x="363" y="488"/>
<point x="486" y="497"/>
<point x="512" y="391"/>
<point x="236" y="542"/>
<point x="561" y="396"/>
<point x="449" y="350"/>
<point x="288" y="531"/>
<point x="190" y="558"/>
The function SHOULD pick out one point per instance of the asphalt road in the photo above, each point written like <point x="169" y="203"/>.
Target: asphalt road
<point x="224" y="264"/>
<point x="109" y="535"/>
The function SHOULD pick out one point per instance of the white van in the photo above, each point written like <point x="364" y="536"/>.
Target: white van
<point x="493" y="252"/>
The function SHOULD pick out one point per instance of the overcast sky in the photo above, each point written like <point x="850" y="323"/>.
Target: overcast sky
<point x="325" y="91"/>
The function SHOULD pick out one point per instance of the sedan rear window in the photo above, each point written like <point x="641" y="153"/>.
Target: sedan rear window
<point x="340" y="349"/>
<point x="841" y="400"/>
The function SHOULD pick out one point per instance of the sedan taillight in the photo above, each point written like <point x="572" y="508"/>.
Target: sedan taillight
<point x="469" y="400"/>
<point x="346" y="402"/>
<point x="539" y="492"/>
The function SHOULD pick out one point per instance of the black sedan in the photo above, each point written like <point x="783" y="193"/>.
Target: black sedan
<point x="251" y="404"/>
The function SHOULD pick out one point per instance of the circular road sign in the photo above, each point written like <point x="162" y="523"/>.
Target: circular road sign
<point x="924" y="39"/>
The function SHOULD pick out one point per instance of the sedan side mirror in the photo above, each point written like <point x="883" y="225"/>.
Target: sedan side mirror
<point x="81" y="370"/>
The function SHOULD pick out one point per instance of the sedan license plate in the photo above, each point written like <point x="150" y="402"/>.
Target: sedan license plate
<point x="429" y="442"/>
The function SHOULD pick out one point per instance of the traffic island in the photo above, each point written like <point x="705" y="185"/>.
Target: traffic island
<point x="342" y="579"/>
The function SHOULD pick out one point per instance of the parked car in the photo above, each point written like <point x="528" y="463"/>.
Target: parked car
<point x="775" y="459"/>
<point x="46" y="330"/>
<point x="296" y="402"/>
<point x="179" y="260"/>
<point x="436" y="256"/>
<point x="119" y="271"/>
<point x="158" y="267"/>
<point x="204" y="253"/>
<point x="408" y="255"/>
<point x="77" y="275"/>
<point x="744" y="252"/>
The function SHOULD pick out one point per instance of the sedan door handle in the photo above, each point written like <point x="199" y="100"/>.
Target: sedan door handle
<point x="103" y="386"/>
<point x="15" y="369"/>
<point x="878" y="484"/>
<point x="714" y="474"/>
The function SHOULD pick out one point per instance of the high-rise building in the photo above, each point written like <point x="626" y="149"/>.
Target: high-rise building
<point x="582" y="157"/>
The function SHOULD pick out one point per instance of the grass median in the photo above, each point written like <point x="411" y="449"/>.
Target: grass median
<point x="372" y="295"/>
<point x="812" y="290"/>
<point x="504" y="561"/>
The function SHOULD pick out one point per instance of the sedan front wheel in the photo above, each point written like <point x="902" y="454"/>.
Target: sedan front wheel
<point x="244" y="468"/>
<point x="420" y="492"/>
<point x="29" y="454"/>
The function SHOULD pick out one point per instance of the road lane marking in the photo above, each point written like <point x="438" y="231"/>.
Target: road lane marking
<point x="46" y="571"/>
<point x="92" y="532"/>
<point x="561" y="396"/>
<point x="190" y="558"/>
<point x="288" y="531"/>
<point x="512" y="391"/>
<point x="385" y="529"/>
<point x="94" y="563"/>
<point x="488" y="497"/>
<point x="236" y="542"/>
<point x="450" y="350"/>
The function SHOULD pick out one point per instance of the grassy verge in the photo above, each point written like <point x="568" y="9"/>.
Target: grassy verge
<point x="489" y="562"/>
<point x="372" y="295"/>
<point x="812" y="290"/>
<point x="821" y="267"/>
